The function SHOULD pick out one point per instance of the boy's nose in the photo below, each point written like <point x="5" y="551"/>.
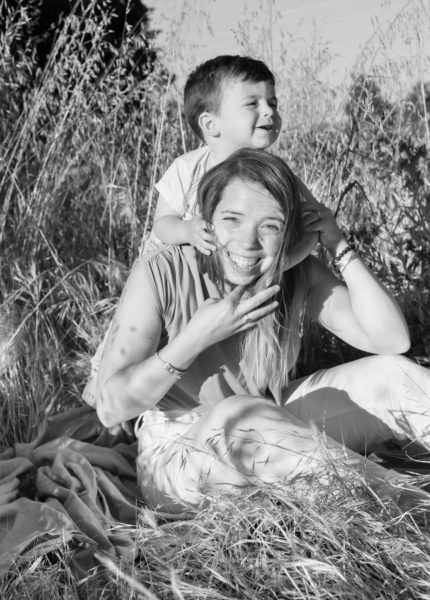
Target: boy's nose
<point x="267" y="109"/>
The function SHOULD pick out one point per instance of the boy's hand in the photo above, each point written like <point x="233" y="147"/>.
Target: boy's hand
<point x="198" y="235"/>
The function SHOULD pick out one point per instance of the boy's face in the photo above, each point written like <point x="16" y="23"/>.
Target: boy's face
<point x="248" y="116"/>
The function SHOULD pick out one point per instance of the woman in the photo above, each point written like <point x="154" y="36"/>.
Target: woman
<point x="202" y="347"/>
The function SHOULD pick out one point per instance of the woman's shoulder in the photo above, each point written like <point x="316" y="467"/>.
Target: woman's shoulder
<point x="170" y="260"/>
<point x="171" y="277"/>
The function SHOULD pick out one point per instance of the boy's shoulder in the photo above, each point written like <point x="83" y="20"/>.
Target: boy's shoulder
<point x="190" y="159"/>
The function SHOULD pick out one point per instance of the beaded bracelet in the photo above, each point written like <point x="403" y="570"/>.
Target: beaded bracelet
<point x="170" y="368"/>
<point x="339" y="261"/>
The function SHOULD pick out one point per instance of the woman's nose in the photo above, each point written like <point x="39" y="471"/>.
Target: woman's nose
<point x="250" y="238"/>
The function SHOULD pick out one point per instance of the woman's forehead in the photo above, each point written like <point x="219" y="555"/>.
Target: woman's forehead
<point x="243" y="194"/>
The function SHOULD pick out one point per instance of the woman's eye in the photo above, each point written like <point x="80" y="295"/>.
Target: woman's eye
<point x="231" y="219"/>
<point x="271" y="228"/>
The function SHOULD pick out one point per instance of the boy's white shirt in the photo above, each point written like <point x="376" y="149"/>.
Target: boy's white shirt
<point x="178" y="186"/>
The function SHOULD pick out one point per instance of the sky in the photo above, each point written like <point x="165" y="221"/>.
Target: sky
<point x="193" y="31"/>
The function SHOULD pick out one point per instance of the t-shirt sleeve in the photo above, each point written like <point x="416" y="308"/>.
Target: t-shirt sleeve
<point x="173" y="186"/>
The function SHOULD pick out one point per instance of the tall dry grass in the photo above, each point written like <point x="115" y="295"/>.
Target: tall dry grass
<point x="80" y="150"/>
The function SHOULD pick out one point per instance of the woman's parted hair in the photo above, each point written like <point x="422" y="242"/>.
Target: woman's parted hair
<point x="269" y="350"/>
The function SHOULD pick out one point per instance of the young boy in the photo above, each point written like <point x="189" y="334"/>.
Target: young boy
<point x="230" y="103"/>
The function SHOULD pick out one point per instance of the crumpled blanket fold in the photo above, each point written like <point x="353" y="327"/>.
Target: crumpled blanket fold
<point x="77" y="486"/>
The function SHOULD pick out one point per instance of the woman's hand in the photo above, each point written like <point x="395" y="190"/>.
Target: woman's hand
<point x="9" y="491"/>
<point x="218" y="319"/>
<point x="198" y="235"/>
<point x="319" y="218"/>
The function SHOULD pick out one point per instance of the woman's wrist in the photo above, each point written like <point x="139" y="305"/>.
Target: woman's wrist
<point x="337" y="246"/>
<point x="343" y="258"/>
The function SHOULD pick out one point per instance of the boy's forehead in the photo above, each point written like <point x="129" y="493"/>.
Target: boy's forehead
<point x="245" y="86"/>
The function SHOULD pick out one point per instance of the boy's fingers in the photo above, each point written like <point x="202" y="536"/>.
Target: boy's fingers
<point x="203" y="250"/>
<point x="206" y="237"/>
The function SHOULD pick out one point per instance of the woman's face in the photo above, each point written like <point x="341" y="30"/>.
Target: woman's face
<point x="248" y="224"/>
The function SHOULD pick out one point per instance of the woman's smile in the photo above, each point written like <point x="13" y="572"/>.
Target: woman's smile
<point x="243" y="262"/>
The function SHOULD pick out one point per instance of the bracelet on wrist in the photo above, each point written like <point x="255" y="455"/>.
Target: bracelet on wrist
<point x="170" y="368"/>
<point x="342" y="260"/>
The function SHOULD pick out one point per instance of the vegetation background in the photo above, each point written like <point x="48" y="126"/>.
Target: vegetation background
<point x="89" y="119"/>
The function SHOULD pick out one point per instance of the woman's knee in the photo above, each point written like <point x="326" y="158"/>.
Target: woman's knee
<point x="236" y="410"/>
<point x="392" y="371"/>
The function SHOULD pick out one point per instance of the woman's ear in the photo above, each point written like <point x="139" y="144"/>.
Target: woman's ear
<point x="209" y="124"/>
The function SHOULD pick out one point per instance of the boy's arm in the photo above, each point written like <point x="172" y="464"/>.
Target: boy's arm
<point x="171" y="228"/>
<point x="168" y="224"/>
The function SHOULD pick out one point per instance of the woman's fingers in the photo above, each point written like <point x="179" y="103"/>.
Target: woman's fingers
<point x="311" y="204"/>
<point x="236" y="294"/>
<point x="251" y="318"/>
<point x="255" y="302"/>
<point x="8" y="491"/>
<point x="310" y="217"/>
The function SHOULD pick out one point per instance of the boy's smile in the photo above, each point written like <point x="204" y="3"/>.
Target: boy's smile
<point x="248" y="116"/>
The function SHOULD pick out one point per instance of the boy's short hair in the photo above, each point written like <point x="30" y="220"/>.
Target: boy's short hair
<point x="204" y="86"/>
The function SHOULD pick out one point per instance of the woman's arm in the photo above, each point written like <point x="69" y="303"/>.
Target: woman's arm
<point x="131" y="378"/>
<point x="361" y="311"/>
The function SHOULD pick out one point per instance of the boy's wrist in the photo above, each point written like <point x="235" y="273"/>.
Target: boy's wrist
<point x="185" y="231"/>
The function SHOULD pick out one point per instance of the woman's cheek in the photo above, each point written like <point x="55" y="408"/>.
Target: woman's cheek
<point x="266" y="263"/>
<point x="221" y="237"/>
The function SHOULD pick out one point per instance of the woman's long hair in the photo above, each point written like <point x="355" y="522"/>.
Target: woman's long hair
<point x="269" y="351"/>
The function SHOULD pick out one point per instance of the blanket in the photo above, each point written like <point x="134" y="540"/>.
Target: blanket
<point x="77" y="487"/>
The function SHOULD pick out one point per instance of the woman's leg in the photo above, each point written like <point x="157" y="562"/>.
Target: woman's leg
<point x="366" y="402"/>
<point x="240" y="442"/>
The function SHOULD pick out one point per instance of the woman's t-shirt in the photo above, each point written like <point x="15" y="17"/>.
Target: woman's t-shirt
<point x="179" y="289"/>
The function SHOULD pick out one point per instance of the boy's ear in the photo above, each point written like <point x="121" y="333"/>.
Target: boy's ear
<point x="209" y="124"/>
